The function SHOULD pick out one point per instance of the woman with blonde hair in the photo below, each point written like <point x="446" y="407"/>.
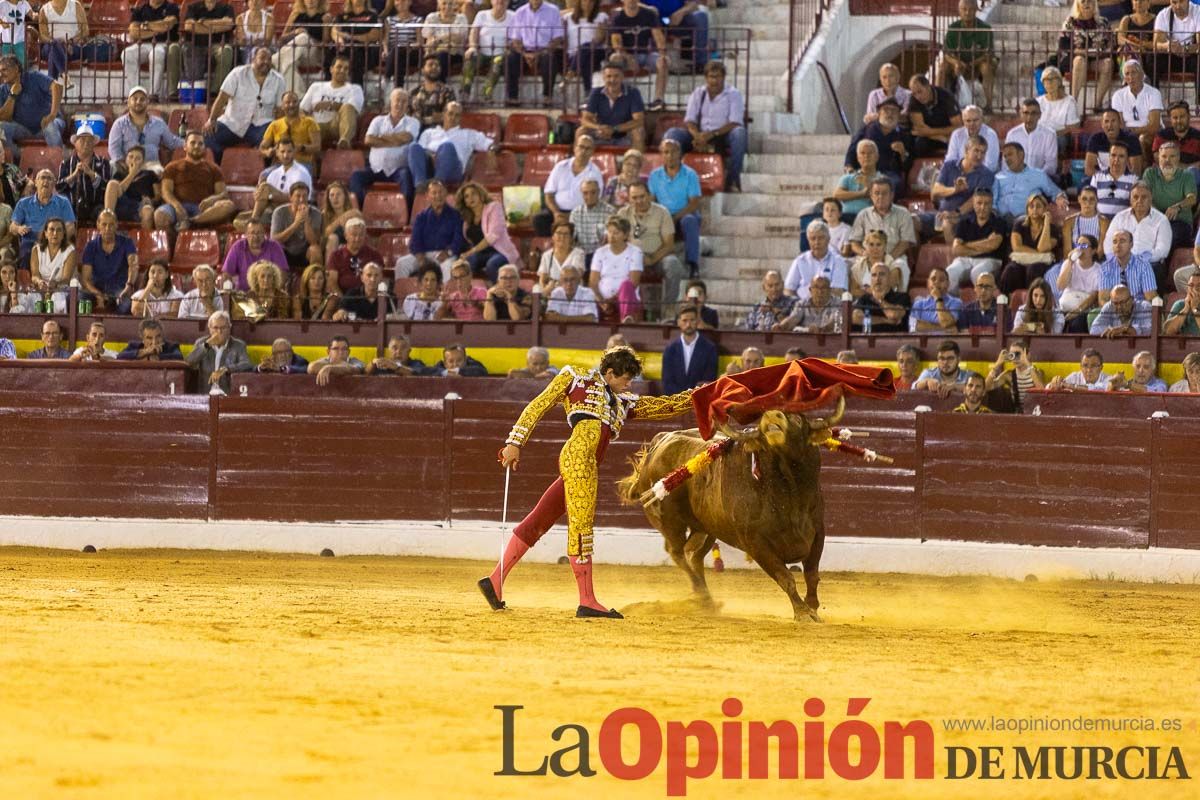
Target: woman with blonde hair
<point x="486" y="232"/>
<point x="313" y="299"/>
<point x="875" y="252"/>
<point x="267" y="297"/>
<point x="1060" y="112"/>
<point x="616" y="191"/>
<point x="1091" y="44"/>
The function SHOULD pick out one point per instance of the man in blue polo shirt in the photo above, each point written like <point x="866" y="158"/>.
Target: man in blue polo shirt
<point x="29" y="105"/>
<point x="1017" y="181"/>
<point x="615" y="113"/>
<point x="109" y="266"/>
<point x="676" y="186"/>
<point x="32" y="213"/>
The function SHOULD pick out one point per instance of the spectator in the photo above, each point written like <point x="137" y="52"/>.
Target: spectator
<point x="447" y="148"/>
<point x="880" y="148"/>
<point x="1135" y="37"/>
<point x="875" y="252"/>
<point x="889" y="89"/>
<point x="636" y="39"/>
<point x="569" y="300"/>
<point x="1122" y="315"/>
<point x="437" y="234"/>
<point x="696" y="295"/>
<point x="616" y="273"/>
<point x="1086" y="222"/>
<point x="1139" y="104"/>
<point x="1100" y="144"/>
<point x="432" y="96"/>
<point x="507" y="301"/>
<point x="1023" y="376"/>
<point x="1038" y="314"/>
<point x="938" y="311"/>
<point x="967" y="49"/>
<point x="654" y="236"/>
<point x="751" y="358"/>
<point x="1060" y="113"/>
<point x="1091" y="45"/>
<point x="561" y="254"/>
<point x="13" y="186"/>
<point x="299" y="128"/>
<point x="616" y="191"/>
<point x="346" y="262"/>
<point x="254" y="27"/>
<point x="980" y="313"/>
<point x="839" y="231"/>
<point x="819" y="313"/>
<point x="456" y="363"/>
<point x="335" y="105"/>
<point x="1152" y="235"/>
<point x="445" y="35"/>
<point x="340" y="207"/>
<point x="52" y="263"/>
<point x="137" y="127"/>
<point x="254" y="247"/>
<point x="690" y="360"/>
<point x="389" y="136"/>
<point x="423" y="304"/>
<point x="1173" y="192"/>
<point x="51" y="343"/>
<point x="1179" y="129"/>
<point x="676" y="186"/>
<point x="110" y="267"/>
<point x="775" y="306"/>
<point x="313" y="299"/>
<point x="486" y="46"/>
<point x="1039" y="143"/>
<point x="399" y="360"/>
<point x="956" y="184"/>
<point x="563" y="190"/>
<point x="158" y="298"/>
<point x="152" y="345"/>
<point x="1127" y="268"/>
<point x="7" y="350"/>
<point x="362" y="301"/>
<point x="973" y="396"/>
<point x="537" y="365"/>
<point x="62" y="29"/>
<point x="1175" y="29"/>
<point x="207" y="42"/>
<point x="1090" y="377"/>
<point x="1191" y="371"/>
<point x="1017" y="181"/>
<point x="338" y="361"/>
<point x="1182" y="318"/>
<point x="296" y="228"/>
<point x="32" y="213"/>
<point x="590" y="218"/>
<point x="1114" y="185"/>
<point x="1143" y="380"/>
<point x="818" y="260"/>
<point x="30" y="104"/>
<point x="615" y="113"/>
<point x="933" y="116"/>
<point x="1077" y="283"/>
<point x="487" y="246"/>
<point x="979" y="244"/>
<point x="247" y="103"/>
<point x="535" y="43"/>
<point x="153" y="26"/>
<point x="586" y="25"/>
<point x="283" y="359"/>
<point x="202" y="300"/>
<point x="267" y="297"/>
<point x="358" y="33"/>
<point x="714" y="117"/>
<point x="133" y="190"/>
<point x="300" y="43"/>
<point x="275" y="185"/>
<point x="793" y="354"/>
<point x="893" y="220"/>
<point x="688" y="21"/>
<point x="94" y="349"/>
<point x="973" y="125"/>
<point x="908" y="367"/>
<point x="1034" y="241"/>
<point x="846" y="357"/>
<point x="462" y="299"/>
<point x="948" y="377"/>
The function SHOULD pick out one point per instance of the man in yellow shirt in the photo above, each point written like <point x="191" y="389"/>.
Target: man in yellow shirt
<point x="297" y="126"/>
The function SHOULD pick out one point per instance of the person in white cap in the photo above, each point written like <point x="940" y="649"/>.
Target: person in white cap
<point x="84" y="176"/>
<point x="138" y="126"/>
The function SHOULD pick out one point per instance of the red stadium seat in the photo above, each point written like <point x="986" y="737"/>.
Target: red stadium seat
<point x="241" y="166"/>
<point x="109" y="17"/>
<point x="915" y="171"/>
<point x="607" y="164"/>
<point x="280" y="13"/>
<point x="494" y="170"/>
<point x="385" y="208"/>
<point x="487" y="124"/>
<point x="194" y="247"/>
<point x="1181" y="257"/>
<point x="651" y="162"/>
<point x="935" y="255"/>
<point x="242" y="197"/>
<point x="526" y="131"/>
<point x="711" y="169"/>
<point x="339" y="165"/>
<point x="82" y="237"/>
<point x="663" y="124"/>
<point x="404" y="287"/>
<point x="195" y="117"/>
<point x="36" y="157"/>
<point x="151" y="246"/>
<point x="538" y="166"/>
<point x="391" y="245"/>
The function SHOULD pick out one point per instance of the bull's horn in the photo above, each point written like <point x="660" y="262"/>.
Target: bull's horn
<point x="838" y="412"/>
<point x="725" y="430"/>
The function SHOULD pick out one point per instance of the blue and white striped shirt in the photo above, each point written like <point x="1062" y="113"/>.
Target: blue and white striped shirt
<point x="1113" y="193"/>
<point x="1138" y="275"/>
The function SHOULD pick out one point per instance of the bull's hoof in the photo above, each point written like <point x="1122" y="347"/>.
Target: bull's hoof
<point x="587" y="612"/>
<point x="807" y="614"/>
<point x="489" y="594"/>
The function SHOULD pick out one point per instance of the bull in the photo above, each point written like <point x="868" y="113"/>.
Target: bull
<point x="762" y="497"/>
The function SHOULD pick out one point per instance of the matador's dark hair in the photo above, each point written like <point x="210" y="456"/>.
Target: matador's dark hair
<point x="622" y="361"/>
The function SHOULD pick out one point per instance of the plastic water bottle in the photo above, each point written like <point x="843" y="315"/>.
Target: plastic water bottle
<point x="866" y="322"/>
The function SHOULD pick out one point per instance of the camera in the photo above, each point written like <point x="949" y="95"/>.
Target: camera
<point x="1010" y="356"/>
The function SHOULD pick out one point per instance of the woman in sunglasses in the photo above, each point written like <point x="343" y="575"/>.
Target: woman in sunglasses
<point x="1085" y="222"/>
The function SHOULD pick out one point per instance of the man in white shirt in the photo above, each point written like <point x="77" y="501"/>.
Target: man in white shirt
<point x="564" y="187"/>
<point x="819" y="259"/>
<point x="570" y="301"/>
<point x="1140" y="105"/>
<point x="335" y="104"/>
<point x="286" y="173"/>
<point x="1089" y="377"/>
<point x="449" y="148"/>
<point x="203" y="300"/>
<point x="94" y="349"/>
<point x="247" y="103"/>
<point x="1150" y="228"/>
<point x="1175" y="29"/>
<point x="972" y="118"/>
<point x="389" y="137"/>
<point x="713" y="123"/>
<point x="1041" y="145"/>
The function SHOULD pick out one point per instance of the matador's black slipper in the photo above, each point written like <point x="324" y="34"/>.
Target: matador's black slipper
<point x="591" y="613"/>
<point x="489" y="593"/>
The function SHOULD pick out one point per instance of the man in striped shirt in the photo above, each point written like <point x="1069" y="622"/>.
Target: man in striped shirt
<point x="1114" y="184"/>
<point x="1126" y="268"/>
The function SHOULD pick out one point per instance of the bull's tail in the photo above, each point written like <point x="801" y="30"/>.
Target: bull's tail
<point x="627" y="487"/>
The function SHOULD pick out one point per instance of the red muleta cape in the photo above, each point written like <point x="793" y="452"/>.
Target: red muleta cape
<point x="793" y="386"/>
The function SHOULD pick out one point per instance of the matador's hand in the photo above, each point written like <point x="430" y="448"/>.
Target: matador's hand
<point x="510" y="456"/>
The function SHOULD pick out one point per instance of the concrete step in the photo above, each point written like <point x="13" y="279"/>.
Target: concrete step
<point x="759" y="204"/>
<point x="742" y="270"/>
<point x="782" y="248"/>
<point x="768" y="48"/>
<point x="756" y="14"/>
<point x="830" y="145"/>
<point x="1008" y="14"/>
<point x="756" y="227"/>
<point x="776" y="122"/>
<point x="770" y="183"/>
<point x="766" y="102"/>
<point x="796" y="163"/>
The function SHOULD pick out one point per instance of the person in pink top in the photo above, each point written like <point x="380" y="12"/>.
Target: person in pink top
<point x="255" y="247"/>
<point x="462" y="300"/>
<point x="486" y="231"/>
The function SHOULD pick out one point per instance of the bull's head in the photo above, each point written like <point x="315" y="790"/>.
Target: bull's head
<point x="775" y="428"/>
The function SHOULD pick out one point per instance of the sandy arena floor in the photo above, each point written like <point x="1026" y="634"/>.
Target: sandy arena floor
<point x="217" y="675"/>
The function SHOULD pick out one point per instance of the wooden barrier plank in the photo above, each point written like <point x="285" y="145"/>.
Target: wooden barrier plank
<point x="1176" y="472"/>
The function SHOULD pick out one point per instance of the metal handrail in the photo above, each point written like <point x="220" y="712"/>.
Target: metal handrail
<point x="804" y="20"/>
<point x="837" y="102"/>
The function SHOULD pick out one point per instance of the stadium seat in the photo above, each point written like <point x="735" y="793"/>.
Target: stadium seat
<point x="151" y="245"/>
<point x="914" y="172"/>
<point x="195" y="117"/>
<point x="242" y="166"/>
<point x="711" y="169"/>
<point x="651" y="162"/>
<point x="663" y="124"/>
<point x="196" y="246"/>
<point x="537" y="167"/>
<point x="1181" y="257"/>
<point x="494" y="170"/>
<point x="242" y="197"/>
<point x="935" y="255"/>
<point x="487" y="124"/>
<point x="607" y="164"/>
<point x="385" y="208"/>
<point x="391" y="245"/>
<point x="338" y="165"/>
<point x="36" y="157"/>
<point x="280" y="13"/>
<point x="526" y="131"/>
<point x="82" y="237"/>
<point x="404" y="287"/>
<point x="109" y="17"/>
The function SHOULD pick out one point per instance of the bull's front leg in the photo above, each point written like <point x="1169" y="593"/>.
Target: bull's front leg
<point x="812" y="563"/>
<point x="777" y="568"/>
